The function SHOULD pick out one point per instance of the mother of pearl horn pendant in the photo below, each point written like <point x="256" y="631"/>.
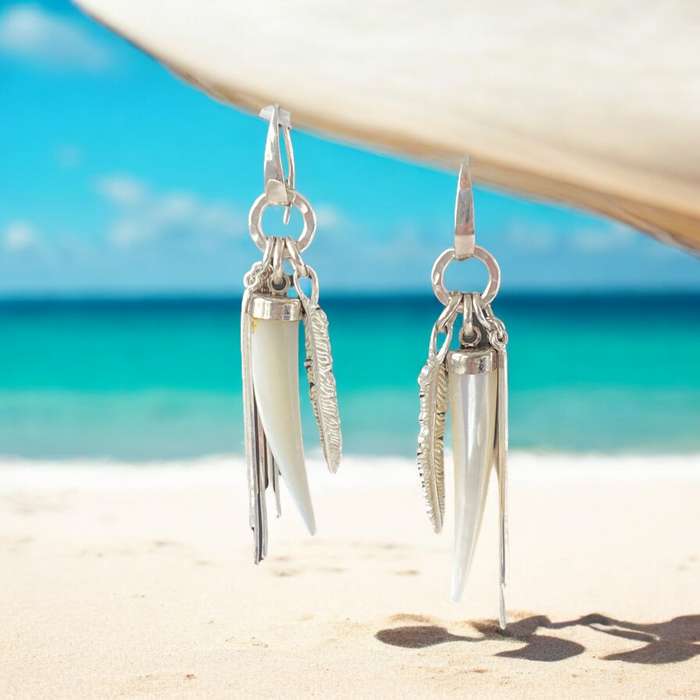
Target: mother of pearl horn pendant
<point x="274" y="345"/>
<point x="473" y="381"/>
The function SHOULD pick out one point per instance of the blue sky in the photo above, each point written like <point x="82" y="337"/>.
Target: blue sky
<point x="115" y="177"/>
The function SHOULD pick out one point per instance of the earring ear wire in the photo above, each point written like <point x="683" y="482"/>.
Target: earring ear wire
<point x="465" y="240"/>
<point x="278" y="188"/>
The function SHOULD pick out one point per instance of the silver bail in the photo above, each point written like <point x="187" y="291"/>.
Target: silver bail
<point x="277" y="187"/>
<point x="465" y="240"/>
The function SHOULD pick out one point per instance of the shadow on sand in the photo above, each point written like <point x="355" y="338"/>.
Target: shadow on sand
<point x="662" y="643"/>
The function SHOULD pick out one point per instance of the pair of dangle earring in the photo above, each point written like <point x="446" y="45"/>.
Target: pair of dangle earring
<point x="477" y="375"/>
<point x="270" y="348"/>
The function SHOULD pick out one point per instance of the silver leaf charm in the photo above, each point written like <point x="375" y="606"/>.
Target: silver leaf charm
<point x="322" y="390"/>
<point x="431" y="451"/>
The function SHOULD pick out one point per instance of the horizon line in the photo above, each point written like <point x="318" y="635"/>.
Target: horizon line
<point x="221" y="296"/>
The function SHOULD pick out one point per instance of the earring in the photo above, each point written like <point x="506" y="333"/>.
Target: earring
<point x="477" y="374"/>
<point x="270" y="348"/>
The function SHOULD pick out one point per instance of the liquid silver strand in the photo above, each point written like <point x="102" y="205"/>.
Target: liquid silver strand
<point x="498" y="338"/>
<point x="274" y="478"/>
<point x="261" y="483"/>
<point x="256" y="496"/>
<point x="501" y="460"/>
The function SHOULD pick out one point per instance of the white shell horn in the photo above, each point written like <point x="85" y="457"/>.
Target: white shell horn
<point x="473" y="399"/>
<point x="275" y="362"/>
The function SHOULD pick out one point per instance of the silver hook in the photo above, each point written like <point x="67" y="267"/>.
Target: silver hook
<point x="277" y="187"/>
<point x="465" y="240"/>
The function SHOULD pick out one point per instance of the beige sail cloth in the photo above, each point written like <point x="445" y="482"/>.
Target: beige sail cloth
<point x="595" y="104"/>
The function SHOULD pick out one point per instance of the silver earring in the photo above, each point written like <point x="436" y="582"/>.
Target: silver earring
<point x="270" y="348"/>
<point x="477" y="374"/>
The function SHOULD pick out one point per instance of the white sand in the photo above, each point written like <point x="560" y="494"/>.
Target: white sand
<point x="122" y="581"/>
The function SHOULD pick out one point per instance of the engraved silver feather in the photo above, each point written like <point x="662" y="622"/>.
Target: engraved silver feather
<point x="319" y="369"/>
<point x="431" y="452"/>
<point x="433" y="409"/>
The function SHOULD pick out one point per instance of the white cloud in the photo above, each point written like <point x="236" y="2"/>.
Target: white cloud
<point x="535" y="239"/>
<point x="68" y="156"/>
<point x="18" y="236"/>
<point x="122" y="190"/>
<point x="174" y="208"/>
<point x="127" y="232"/>
<point x="604" y="240"/>
<point x="221" y="217"/>
<point x="31" y="33"/>
<point x="329" y="216"/>
<point x="145" y="215"/>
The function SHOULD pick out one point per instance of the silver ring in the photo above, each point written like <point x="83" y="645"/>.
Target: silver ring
<point x="475" y="336"/>
<point x="278" y="250"/>
<point x="298" y="265"/>
<point x="314" y="286"/>
<point x="438" y="274"/>
<point x="467" y="315"/>
<point x="304" y="208"/>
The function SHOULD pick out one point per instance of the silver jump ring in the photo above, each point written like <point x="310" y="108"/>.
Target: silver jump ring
<point x="311" y="274"/>
<point x="267" y="253"/>
<point x="304" y="208"/>
<point x="449" y="313"/>
<point x="445" y="324"/>
<point x="467" y="314"/>
<point x="252" y="277"/>
<point x="485" y="315"/>
<point x="278" y="250"/>
<point x="438" y="274"/>
<point x="472" y="339"/>
<point x="440" y="354"/>
<point x="298" y="265"/>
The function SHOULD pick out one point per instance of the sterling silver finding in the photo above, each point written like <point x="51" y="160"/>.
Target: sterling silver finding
<point x="438" y="273"/>
<point x="270" y="349"/>
<point x="478" y="390"/>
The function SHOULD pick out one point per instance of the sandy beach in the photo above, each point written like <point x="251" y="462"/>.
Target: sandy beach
<point x="137" y="581"/>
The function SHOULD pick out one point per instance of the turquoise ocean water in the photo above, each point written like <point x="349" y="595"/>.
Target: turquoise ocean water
<point x="152" y="379"/>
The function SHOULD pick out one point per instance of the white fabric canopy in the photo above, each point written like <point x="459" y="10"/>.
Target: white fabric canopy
<point x="596" y="104"/>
